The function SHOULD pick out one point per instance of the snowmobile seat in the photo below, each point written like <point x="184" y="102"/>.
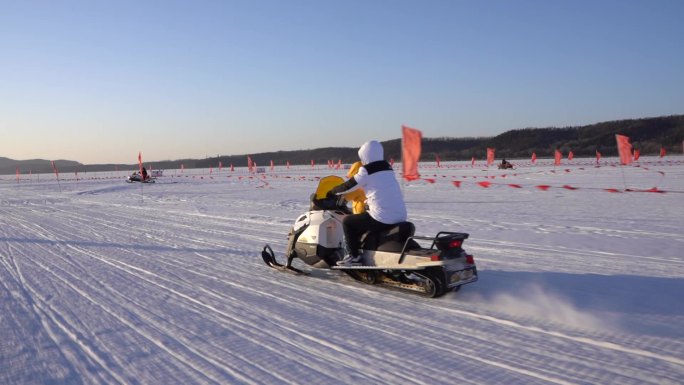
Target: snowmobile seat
<point x="392" y="239"/>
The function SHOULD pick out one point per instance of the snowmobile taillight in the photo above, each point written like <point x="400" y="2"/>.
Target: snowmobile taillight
<point x="456" y="244"/>
<point x="435" y="257"/>
<point x="470" y="259"/>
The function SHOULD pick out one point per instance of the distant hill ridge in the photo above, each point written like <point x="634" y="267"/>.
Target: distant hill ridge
<point x="647" y="134"/>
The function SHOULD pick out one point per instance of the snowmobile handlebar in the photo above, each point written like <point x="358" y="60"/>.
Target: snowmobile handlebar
<point x="334" y="204"/>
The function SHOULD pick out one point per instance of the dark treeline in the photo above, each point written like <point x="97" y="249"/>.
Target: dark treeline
<point x="647" y="134"/>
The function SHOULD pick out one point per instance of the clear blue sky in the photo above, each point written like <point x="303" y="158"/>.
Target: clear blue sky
<point x="98" y="81"/>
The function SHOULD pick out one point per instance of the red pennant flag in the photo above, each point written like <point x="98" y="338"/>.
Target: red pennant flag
<point x="250" y="164"/>
<point x="637" y="154"/>
<point x="624" y="149"/>
<point x="312" y="163"/>
<point x="490" y="155"/>
<point x="140" y="166"/>
<point x="272" y="166"/>
<point x="232" y="168"/>
<point x="557" y="158"/>
<point x="54" y="168"/>
<point x="437" y="160"/>
<point x="598" y="156"/>
<point x="472" y="162"/>
<point x="410" y="152"/>
<point x="339" y="164"/>
<point x="571" y="155"/>
<point x="662" y="152"/>
<point x="534" y="157"/>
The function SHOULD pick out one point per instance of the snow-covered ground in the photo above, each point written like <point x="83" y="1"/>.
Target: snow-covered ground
<point x="104" y="282"/>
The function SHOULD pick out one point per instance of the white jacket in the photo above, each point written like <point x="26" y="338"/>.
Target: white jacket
<point x="384" y="198"/>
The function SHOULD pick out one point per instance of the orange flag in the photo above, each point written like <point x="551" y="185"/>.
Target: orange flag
<point x="490" y="155"/>
<point x="557" y="158"/>
<point x="571" y="155"/>
<point x="637" y="154"/>
<point x="410" y="152"/>
<point x="662" y="152"/>
<point x="438" y="160"/>
<point x="140" y="166"/>
<point x="534" y="157"/>
<point x="250" y="164"/>
<point x="624" y="149"/>
<point x="598" y="156"/>
<point x="54" y="168"/>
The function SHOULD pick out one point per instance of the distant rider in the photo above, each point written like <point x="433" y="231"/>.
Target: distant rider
<point x="386" y="205"/>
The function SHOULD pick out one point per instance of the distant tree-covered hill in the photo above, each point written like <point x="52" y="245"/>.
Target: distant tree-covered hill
<point x="647" y="134"/>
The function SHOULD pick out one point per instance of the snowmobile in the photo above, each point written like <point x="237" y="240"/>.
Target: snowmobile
<point x="135" y="177"/>
<point x="393" y="257"/>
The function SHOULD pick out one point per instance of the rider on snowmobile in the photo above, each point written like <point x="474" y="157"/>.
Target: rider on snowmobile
<point x="386" y="205"/>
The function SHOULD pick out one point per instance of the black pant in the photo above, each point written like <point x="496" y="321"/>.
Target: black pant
<point x="357" y="224"/>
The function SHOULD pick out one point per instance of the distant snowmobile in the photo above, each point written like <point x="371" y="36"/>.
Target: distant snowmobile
<point x="391" y="257"/>
<point x="135" y="177"/>
<point x="504" y="165"/>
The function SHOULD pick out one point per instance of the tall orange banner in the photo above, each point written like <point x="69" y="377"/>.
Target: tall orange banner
<point x="490" y="155"/>
<point x="140" y="166"/>
<point x="54" y="168"/>
<point x="624" y="148"/>
<point x="410" y="152"/>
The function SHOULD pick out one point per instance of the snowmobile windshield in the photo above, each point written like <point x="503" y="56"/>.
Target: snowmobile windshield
<point x="326" y="184"/>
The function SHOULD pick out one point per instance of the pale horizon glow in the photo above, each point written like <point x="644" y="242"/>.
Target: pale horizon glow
<point x="97" y="82"/>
